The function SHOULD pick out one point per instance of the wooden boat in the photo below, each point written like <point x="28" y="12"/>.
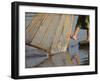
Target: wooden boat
<point x="50" y="32"/>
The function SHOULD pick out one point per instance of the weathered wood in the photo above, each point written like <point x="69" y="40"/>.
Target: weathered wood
<point x="50" y="32"/>
<point x="37" y="47"/>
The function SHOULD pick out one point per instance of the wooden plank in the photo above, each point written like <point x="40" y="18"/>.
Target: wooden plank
<point x="53" y="34"/>
<point x="37" y="47"/>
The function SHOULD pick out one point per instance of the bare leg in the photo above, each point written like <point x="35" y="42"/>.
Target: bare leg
<point x="74" y="36"/>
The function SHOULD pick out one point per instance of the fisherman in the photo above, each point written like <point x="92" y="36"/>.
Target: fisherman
<point x="83" y="22"/>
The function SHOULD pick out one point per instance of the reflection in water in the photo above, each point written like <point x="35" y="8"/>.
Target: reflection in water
<point x="74" y="52"/>
<point x="72" y="57"/>
<point x="78" y="56"/>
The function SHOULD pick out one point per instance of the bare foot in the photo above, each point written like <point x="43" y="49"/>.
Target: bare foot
<point x="74" y="37"/>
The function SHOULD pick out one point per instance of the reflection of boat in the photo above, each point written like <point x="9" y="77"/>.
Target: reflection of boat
<point x="49" y="32"/>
